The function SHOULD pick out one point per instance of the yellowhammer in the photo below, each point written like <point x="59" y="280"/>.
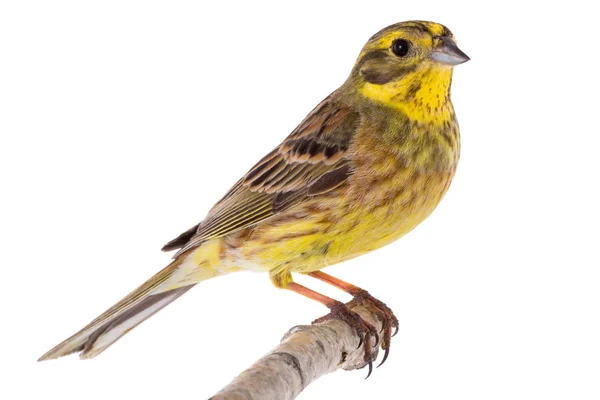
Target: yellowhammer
<point x="365" y="167"/>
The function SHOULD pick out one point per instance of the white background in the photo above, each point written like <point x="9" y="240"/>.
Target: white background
<point x="122" y="122"/>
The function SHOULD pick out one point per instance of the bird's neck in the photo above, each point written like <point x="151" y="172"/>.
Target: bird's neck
<point x="423" y="95"/>
<point x="414" y="120"/>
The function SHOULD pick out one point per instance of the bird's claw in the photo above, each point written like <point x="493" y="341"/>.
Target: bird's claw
<point x="384" y="313"/>
<point x="365" y="330"/>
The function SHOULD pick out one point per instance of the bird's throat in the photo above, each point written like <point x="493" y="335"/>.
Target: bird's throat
<point x="422" y="95"/>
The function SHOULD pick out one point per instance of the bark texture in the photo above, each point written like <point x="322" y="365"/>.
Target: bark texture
<point x="305" y="353"/>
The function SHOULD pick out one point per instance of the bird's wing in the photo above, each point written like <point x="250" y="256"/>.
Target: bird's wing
<point x="309" y="162"/>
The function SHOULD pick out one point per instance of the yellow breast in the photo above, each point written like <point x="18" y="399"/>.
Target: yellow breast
<point x="345" y="224"/>
<point x="402" y="167"/>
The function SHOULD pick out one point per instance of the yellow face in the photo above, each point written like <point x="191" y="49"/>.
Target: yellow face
<point x="408" y="61"/>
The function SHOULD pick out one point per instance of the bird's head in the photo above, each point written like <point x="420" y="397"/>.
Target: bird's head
<point x="407" y="62"/>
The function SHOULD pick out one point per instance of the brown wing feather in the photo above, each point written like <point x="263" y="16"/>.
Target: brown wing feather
<point x="311" y="161"/>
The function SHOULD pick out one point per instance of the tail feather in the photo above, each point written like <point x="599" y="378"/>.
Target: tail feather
<point x="115" y="322"/>
<point x="109" y="333"/>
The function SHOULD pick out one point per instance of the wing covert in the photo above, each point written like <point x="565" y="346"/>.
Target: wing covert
<point x="311" y="161"/>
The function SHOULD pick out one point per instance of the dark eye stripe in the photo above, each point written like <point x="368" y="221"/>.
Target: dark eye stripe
<point x="374" y="55"/>
<point x="381" y="77"/>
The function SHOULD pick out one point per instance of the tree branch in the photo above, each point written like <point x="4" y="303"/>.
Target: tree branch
<point x="305" y="353"/>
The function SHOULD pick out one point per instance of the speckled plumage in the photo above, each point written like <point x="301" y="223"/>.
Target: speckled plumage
<point x="392" y="188"/>
<point x="365" y="167"/>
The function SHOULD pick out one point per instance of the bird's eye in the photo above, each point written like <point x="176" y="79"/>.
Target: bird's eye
<point x="400" y="47"/>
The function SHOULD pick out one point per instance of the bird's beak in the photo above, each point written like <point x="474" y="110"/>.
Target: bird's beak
<point x="447" y="52"/>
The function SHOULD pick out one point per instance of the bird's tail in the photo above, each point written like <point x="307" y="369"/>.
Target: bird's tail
<point x="156" y="293"/>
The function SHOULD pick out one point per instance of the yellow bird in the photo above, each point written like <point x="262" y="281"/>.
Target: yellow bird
<point x="365" y="167"/>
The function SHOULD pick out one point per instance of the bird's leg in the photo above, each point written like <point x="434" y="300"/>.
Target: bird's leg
<point x="341" y="311"/>
<point x="363" y="297"/>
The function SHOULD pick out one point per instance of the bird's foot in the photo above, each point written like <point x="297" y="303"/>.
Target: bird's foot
<point x="384" y="313"/>
<point x="365" y="330"/>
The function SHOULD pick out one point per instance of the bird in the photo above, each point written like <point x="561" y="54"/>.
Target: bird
<point x="365" y="167"/>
